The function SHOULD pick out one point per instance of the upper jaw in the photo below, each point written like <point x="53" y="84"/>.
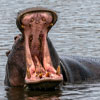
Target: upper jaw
<point x="34" y="9"/>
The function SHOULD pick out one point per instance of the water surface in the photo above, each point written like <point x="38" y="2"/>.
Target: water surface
<point x="77" y="32"/>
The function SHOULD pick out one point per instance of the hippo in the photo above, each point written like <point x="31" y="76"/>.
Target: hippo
<point x="33" y="60"/>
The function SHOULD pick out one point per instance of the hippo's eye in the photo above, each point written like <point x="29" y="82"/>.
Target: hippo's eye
<point x="43" y="19"/>
<point x="32" y="20"/>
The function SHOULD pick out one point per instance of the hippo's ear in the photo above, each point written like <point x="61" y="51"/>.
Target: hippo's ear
<point x="7" y="53"/>
<point x="17" y="37"/>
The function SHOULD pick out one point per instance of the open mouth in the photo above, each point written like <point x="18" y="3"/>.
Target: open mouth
<point x="40" y="69"/>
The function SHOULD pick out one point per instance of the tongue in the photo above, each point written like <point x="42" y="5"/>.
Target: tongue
<point x="37" y="53"/>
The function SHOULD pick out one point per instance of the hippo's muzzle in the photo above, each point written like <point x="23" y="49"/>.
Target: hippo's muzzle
<point x="35" y="25"/>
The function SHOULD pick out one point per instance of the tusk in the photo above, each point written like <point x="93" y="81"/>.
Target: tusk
<point x="40" y="75"/>
<point x="58" y="70"/>
<point x="51" y="24"/>
<point x="28" y="73"/>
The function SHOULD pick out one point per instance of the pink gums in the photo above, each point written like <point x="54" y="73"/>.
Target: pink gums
<point x="38" y="60"/>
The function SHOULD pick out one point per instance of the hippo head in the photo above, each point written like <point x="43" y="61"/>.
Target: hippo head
<point x="42" y="61"/>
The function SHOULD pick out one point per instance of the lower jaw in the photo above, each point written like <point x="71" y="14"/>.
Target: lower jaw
<point x="44" y="84"/>
<point x="37" y="78"/>
<point x="46" y="81"/>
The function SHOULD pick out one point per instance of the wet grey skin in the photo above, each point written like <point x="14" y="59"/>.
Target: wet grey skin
<point x="73" y="69"/>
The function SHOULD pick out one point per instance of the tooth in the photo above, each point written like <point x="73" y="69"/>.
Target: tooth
<point x="36" y="74"/>
<point x="47" y="74"/>
<point x="58" y="70"/>
<point x="51" y="24"/>
<point x="28" y="73"/>
<point x="40" y="75"/>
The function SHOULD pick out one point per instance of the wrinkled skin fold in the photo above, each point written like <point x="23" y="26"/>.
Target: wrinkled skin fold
<point x="33" y="60"/>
